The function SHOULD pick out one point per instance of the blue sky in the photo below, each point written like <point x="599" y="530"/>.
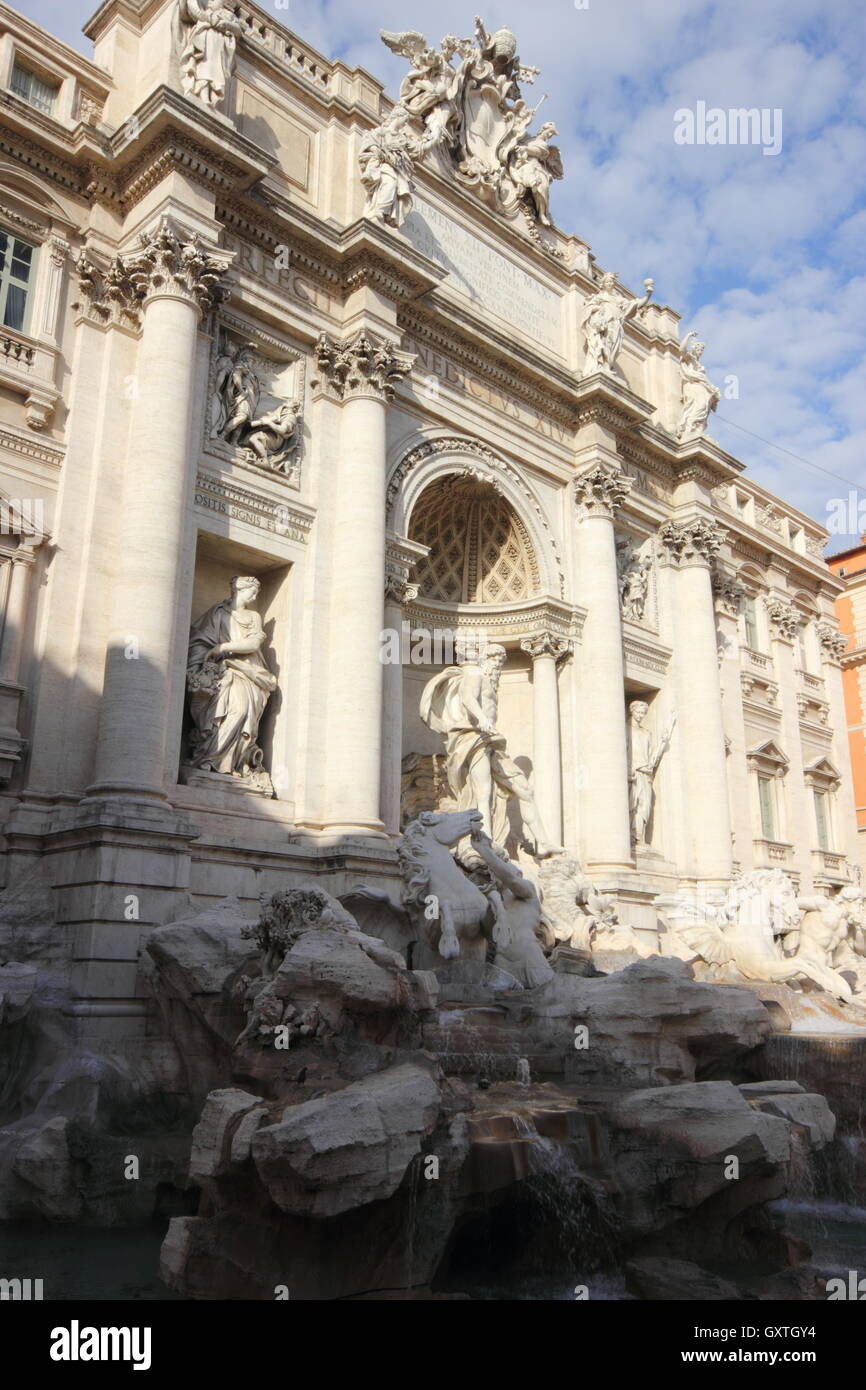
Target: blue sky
<point x="763" y="255"/>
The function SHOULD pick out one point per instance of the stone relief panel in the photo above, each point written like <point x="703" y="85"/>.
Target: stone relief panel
<point x="635" y="574"/>
<point x="254" y="414"/>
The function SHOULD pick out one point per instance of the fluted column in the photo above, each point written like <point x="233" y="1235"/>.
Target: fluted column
<point x="599" y="491"/>
<point x="363" y="374"/>
<point x="689" y="548"/>
<point x="173" y="278"/>
<point x="546" y="649"/>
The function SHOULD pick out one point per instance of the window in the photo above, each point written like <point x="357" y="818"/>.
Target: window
<point x="750" y="614"/>
<point x="33" y="89"/>
<point x="822" y="819"/>
<point x="767" y="799"/>
<point x="824" y="781"/>
<point x="17" y="261"/>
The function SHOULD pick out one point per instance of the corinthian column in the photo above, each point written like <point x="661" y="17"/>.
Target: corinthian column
<point x="172" y="279"/>
<point x="363" y="374"/>
<point x="689" y="548"/>
<point x="545" y="650"/>
<point x="599" y="491"/>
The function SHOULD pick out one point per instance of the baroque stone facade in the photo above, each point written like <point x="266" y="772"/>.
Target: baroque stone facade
<point x="286" y="337"/>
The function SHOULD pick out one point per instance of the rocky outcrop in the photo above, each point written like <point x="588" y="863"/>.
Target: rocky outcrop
<point x="345" y="1150"/>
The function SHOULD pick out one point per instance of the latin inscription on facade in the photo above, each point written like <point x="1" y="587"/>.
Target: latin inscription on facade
<point x="485" y="276"/>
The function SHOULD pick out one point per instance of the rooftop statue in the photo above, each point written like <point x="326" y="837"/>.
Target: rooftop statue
<point x="604" y="316"/>
<point x="475" y="118"/>
<point x="699" y="396"/>
<point x="208" y="54"/>
<point x="387" y="158"/>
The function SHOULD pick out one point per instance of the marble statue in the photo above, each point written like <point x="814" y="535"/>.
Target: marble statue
<point x="440" y="899"/>
<point x="461" y="703"/>
<point x="273" y="437"/>
<point x="229" y="684"/>
<point x="207" y="58"/>
<point x="532" y="165"/>
<point x="634" y="567"/>
<point x="386" y="159"/>
<point x="241" y="393"/>
<point x="604" y="315"/>
<point x="269" y="438"/>
<point x="427" y="91"/>
<point x="698" y="394"/>
<point x="518" y="916"/>
<point x="475" y="119"/>
<point x="744" y="928"/>
<point x="580" y="915"/>
<point x="644" y="756"/>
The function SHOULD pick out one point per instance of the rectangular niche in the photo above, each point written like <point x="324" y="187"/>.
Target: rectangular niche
<point x="218" y="561"/>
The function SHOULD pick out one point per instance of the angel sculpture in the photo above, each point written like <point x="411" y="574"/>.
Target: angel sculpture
<point x="427" y="91"/>
<point x="699" y="396"/>
<point x="533" y="164"/>
<point x="208" y="53"/>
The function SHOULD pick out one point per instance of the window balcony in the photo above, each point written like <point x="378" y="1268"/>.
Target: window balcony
<point x="830" y="863"/>
<point x="27" y="367"/>
<point x="811" y="684"/>
<point x="768" y="853"/>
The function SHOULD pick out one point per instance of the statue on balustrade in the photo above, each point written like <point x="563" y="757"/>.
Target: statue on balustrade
<point x="208" y="48"/>
<point x="386" y="159"/>
<point x="605" y="314"/>
<point x="229" y="684"/>
<point x="461" y="703"/>
<point x="699" y="396"/>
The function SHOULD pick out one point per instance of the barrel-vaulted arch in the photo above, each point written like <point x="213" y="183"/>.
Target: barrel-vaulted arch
<point x="436" y="459"/>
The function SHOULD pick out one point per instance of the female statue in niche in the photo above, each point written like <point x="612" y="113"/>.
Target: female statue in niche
<point x="229" y="685"/>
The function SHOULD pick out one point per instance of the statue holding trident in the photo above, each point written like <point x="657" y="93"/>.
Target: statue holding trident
<point x="643" y="761"/>
<point x="461" y="703"/>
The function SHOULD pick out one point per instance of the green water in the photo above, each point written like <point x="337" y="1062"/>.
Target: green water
<point x="89" y="1263"/>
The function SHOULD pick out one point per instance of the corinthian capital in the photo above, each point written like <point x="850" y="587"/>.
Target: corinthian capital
<point x="174" y="262"/>
<point x="601" y="490"/>
<point x="784" y="618"/>
<point x="833" y="642"/>
<point x="691" y="542"/>
<point x="360" y="366"/>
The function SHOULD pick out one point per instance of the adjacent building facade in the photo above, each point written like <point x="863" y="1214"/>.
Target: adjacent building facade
<point x="850" y="567"/>
<point x="244" y="332"/>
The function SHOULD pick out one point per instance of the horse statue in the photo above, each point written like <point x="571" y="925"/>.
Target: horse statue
<point x="743" y="932"/>
<point x="438" y="896"/>
<point x="446" y="908"/>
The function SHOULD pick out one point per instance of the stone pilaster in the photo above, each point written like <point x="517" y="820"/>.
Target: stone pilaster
<point x="599" y="490"/>
<point x="832" y="644"/>
<point x="689" y="548"/>
<point x="546" y="649"/>
<point x="784" y="622"/>
<point x="362" y="373"/>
